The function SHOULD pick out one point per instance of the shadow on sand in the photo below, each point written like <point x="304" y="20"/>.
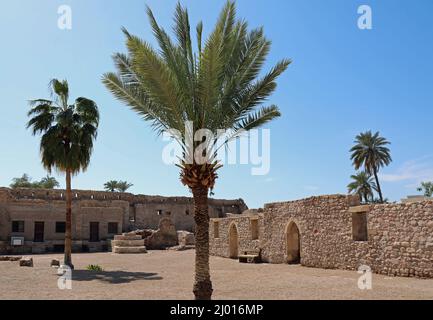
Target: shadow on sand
<point x="114" y="277"/>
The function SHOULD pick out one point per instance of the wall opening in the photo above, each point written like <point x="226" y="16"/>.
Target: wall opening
<point x="94" y="232"/>
<point x="39" y="232"/>
<point x="113" y="228"/>
<point x="293" y="242"/>
<point x="60" y="227"/>
<point x="216" y="229"/>
<point x="359" y="226"/>
<point x="254" y="229"/>
<point x="233" y="242"/>
<point x="18" y="226"/>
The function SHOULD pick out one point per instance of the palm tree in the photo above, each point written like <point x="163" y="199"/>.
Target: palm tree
<point x="111" y="185"/>
<point x="23" y="182"/>
<point x="371" y="152"/>
<point x="362" y="185"/>
<point x="68" y="132"/>
<point x="49" y="183"/>
<point x="122" y="186"/>
<point x="216" y="86"/>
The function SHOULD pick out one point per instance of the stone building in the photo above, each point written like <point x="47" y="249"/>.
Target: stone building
<point x="35" y="219"/>
<point x="333" y="232"/>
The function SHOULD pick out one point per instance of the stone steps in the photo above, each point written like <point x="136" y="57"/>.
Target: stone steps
<point x="126" y="250"/>
<point x="127" y="243"/>
<point x="128" y="237"/>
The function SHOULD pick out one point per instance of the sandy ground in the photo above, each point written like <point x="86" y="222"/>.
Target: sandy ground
<point x="169" y="275"/>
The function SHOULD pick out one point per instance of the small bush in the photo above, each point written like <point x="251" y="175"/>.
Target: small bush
<point x="95" y="267"/>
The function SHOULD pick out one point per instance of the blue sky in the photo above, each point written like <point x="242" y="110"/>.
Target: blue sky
<point x="343" y="81"/>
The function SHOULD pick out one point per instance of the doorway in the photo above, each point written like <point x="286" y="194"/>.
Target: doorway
<point x="233" y="242"/>
<point x="94" y="232"/>
<point x="293" y="242"/>
<point x="39" y="232"/>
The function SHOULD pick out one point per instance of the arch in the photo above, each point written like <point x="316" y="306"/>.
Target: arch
<point x="233" y="241"/>
<point x="293" y="243"/>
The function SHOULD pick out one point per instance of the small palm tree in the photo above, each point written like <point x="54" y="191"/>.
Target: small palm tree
<point x="68" y="132"/>
<point x="370" y="152"/>
<point x="215" y="87"/>
<point x="362" y="185"/>
<point x="49" y="183"/>
<point x="23" y="182"/>
<point x="111" y="186"/>
<point x="122" y="186"/>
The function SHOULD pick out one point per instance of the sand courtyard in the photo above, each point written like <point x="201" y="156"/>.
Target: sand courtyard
<point x="164" y="275"/>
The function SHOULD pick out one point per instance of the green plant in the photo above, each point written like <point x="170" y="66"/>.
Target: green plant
<point x="68" y="132"/>
<point x="371" y="152"/>
<point x="26" y="182"/>
<point x="363" y="185"/>
<point x="217" y="86"/>
<point x="427" y="188"/>
<point x="94" y="267"/>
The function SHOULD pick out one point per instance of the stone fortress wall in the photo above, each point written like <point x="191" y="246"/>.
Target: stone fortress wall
<point x="124" y="211"/>
<point x="334" y="232"/>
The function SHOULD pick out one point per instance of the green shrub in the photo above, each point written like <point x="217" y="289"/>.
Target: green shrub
<point x="95" y="267"/>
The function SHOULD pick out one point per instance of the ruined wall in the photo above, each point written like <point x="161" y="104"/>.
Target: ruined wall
<point x="396" y="239"/>
<point x="219" y="234"/>
<point x="325" y="227"/>
<point x="130" y="211"/>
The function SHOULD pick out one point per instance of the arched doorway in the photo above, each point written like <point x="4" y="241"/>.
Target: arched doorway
<point x="293" y="243"/>
<point x="233" y="242"/>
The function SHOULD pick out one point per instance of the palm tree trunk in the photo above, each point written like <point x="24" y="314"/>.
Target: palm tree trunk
<point x="68" y="231"/>
<point x="203" y="285"/>
<point x="379" y="190"/>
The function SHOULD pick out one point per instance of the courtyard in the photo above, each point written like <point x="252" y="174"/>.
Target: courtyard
<point x="169" y="275"/>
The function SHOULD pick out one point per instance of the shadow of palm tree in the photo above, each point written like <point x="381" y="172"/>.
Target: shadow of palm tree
<point x="114" y="277"/>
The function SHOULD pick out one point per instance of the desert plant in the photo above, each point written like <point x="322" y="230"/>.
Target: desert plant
<point x="94" y="267"/>
<point x="362" y="185"/>
<point x="218" y="86"/>
<point x="68" y="132"/>
<point x="427" y="188"/>
<point x="370" y="152"/>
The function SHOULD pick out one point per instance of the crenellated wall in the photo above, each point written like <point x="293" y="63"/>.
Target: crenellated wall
<point x="336" y="232"/>
<point x="129" y="211"/>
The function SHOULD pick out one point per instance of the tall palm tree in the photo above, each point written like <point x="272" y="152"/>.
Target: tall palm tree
<point x="371" y="152"/>
<point x="216" y="86"/>
<point x="68" y="132"/>
<point x="362" y="185"/>
<point x="111" y="185"/>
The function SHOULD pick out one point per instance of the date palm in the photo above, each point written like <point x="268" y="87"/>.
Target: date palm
<point x="216" y="86"/>
<point x="363" y="185"/>
<point x="371" y="152"/>
<point x="111" y="185"/>
<point x="68" y="132"/>
<point x="122" y="186"/>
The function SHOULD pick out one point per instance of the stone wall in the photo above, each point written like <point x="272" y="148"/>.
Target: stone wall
<point x="219" y="235"/>
<point x="129" y="211"/>
<point x="335" y="232"/>
<point x="401" y="239"/>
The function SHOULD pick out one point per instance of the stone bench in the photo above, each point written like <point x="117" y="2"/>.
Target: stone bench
<point x="250" y="257"/>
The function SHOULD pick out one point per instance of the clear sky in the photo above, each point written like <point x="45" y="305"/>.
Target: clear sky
<point x="343" y="81"/>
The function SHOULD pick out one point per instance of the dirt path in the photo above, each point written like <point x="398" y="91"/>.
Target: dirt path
<point x="169" y="275"/>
